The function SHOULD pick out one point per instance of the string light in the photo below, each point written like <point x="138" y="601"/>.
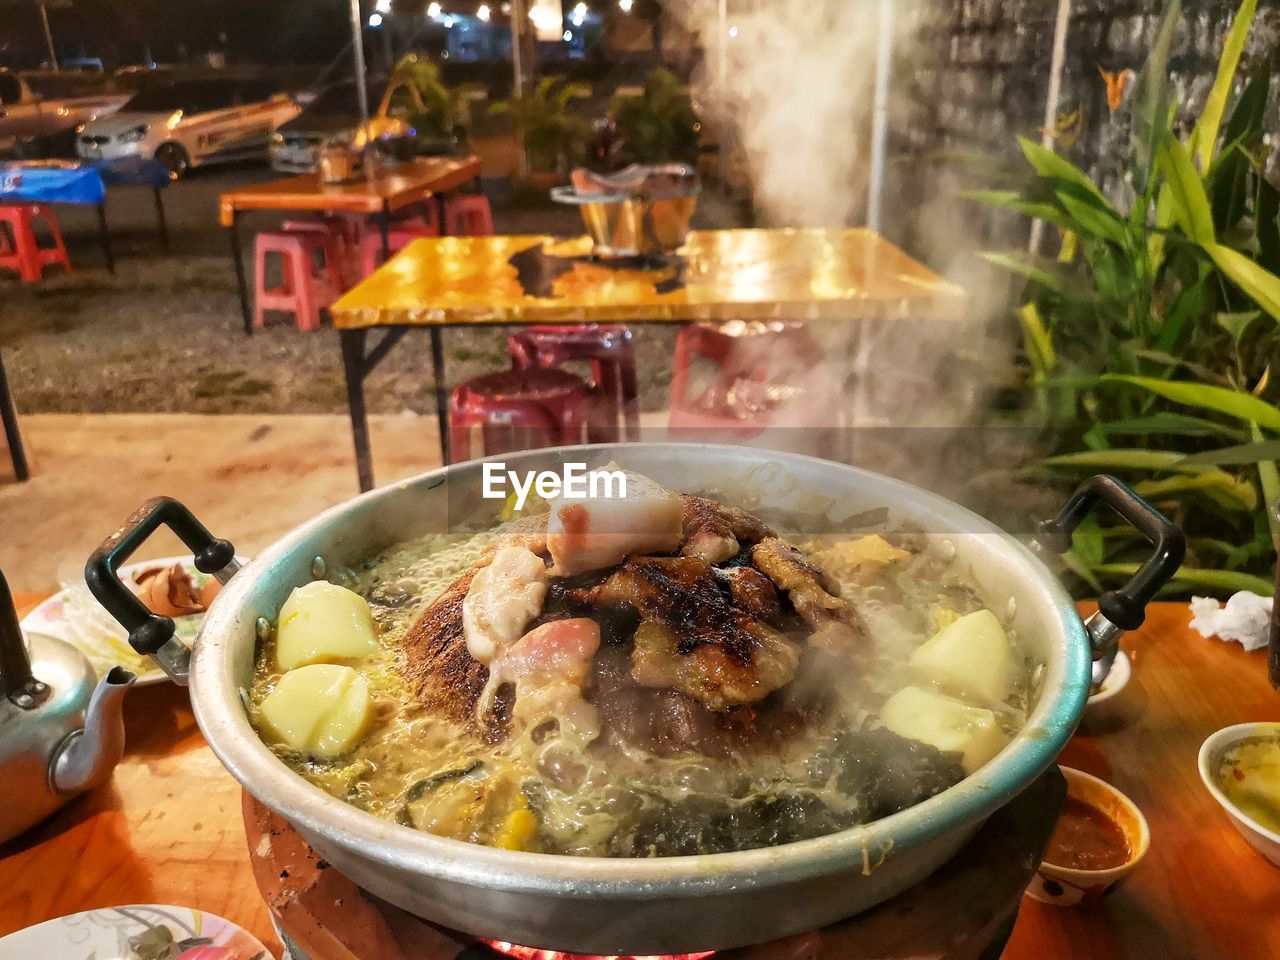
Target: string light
<point x="484" y="13"/>
<point x="626" y="5"/>
<point x="375" y="20"/>
<point x="383" y="6"/>
<point x="733" y="31"/>
<point x="568" y="36"/>
<point x="579" y="15"/>
<point x="434" y="10"/>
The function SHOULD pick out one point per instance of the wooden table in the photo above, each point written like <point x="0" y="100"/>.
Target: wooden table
<point x="717" y="276"/>
<point x="379" y="196"/>
<point x="169" y="826"/>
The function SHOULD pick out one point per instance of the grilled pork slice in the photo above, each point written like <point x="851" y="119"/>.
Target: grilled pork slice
<point x="692" y="638"/>
<point x="598" y="532"/>
<point x="813" y="593"/>
<point x="503" y="599"/>
<point x="714" y="532"/>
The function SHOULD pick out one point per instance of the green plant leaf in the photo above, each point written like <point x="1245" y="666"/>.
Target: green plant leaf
<point x="1204" y="138"/>
<point x="1227" y="491"/>
<point x="1152" y="100"/>
<point x="1245" y="453"/>
<point x="1237" y="324"/>
<point x="1266" y="219"/>
<point x="1099" y="221"/>
<point x="1038" y="342"/>
<point x="1191" y="207"/>
<point x="1269" y="477"/>
<point x="1248" y="118"/>
<point x="1127" y="459"/>
<point x="1234" y="403"/>
<point x="1225" y="580"/>
<point x="1012" y="201"/>
<point x="1258" y="283"/>
<point x="1025" y="268"/>
<point x="1177" y="424"/>
<point x="1051" y="166"/>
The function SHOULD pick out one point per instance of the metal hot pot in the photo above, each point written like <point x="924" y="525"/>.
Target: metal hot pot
<point x="642" y="906"/>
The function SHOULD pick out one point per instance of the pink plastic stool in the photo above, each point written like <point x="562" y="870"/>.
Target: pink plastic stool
<point x="756" y="366"/>
<point x="612" y="356"/>
<point x="22" y="251"/>
<point x="399" y="236"/>
<point x="332" y="233"/>
<point x="302" y="293"/>
<point x="516" y="410"/>
<point x="468" y="215"/>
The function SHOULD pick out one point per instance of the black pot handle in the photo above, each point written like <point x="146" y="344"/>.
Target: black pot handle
<point x="149" y="633"/>
<point x="1125" y="608"/>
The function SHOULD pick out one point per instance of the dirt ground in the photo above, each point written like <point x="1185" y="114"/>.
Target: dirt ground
<point x="164" y="334"/>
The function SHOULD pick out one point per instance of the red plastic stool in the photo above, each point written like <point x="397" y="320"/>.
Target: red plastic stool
<point x="612" y="356"/>
<point x="399" y="236"/>
<point x="468" y="215"/>
<point x="22" y="251"/>
<point x="759" y="368"/>
<point x="302" y="293"/>
<point x="517" y="410"/>
<point x="334" y="267"/>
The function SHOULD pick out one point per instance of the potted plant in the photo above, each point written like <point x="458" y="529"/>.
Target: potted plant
<point x="437" y="122"/>
<point x="659" y="125"/>
<point x="1150" y="339"/>
<point x="552" y="134"/>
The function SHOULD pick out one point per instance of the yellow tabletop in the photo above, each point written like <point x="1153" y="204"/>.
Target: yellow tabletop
<point x="393" y="188"/>
<point x="720" y="275"/>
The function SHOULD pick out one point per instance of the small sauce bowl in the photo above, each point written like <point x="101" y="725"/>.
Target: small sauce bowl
<point x="1218" y="756"/>
<point x="1101" y="708"/>
<point x="1065" y="886"/>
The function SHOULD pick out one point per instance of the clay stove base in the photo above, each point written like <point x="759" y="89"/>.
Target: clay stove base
<point x="965" y="911"/>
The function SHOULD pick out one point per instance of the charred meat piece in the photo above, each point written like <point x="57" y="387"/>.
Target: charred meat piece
<point x="692" y="638"/>
<point x="751" y="591"/>
<point x="444" y="676"/>
<point x="813" y="593"/>
<point x="713" y="532"/>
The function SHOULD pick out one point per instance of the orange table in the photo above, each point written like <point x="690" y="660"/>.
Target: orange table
<point x="378" y="195"/>
<point x="717" y="276"/>
<point x="169" y="827"/>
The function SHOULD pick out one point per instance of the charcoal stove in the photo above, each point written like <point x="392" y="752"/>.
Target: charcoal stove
<point x="965" y="911"/>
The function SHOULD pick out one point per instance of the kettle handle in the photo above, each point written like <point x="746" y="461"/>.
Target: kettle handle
<point x="17" y="684"/>
<point x="1124" y="608"/>
<point x="150" y="633"/>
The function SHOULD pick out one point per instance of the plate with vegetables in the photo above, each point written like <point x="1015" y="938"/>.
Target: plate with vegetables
<point x="170" y="586"/>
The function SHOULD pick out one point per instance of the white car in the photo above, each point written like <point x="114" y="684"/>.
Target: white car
<point x="188" y="123"/>
<point x="41" y="106"/>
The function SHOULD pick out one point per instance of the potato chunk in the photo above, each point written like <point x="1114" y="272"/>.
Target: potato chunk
<point x="947" y="724"/>
<point x="322" y="709"/>
<point x="323" y="623"/>
<point x="969" y="658"/>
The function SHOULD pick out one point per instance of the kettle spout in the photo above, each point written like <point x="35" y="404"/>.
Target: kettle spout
<point x="85" y="758"/>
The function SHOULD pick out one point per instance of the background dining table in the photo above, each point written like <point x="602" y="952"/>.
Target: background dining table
<point x="379" y="194"/>
<point x="792" y="275"/>
<point x="169" y="828"/>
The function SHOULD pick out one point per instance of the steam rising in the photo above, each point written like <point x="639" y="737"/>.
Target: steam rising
<point x="796" y="91"/>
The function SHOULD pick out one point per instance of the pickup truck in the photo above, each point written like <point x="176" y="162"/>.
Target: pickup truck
<point x="39" y="112"/>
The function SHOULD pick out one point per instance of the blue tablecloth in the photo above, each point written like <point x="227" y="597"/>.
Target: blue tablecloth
<point x="59" y="182"/>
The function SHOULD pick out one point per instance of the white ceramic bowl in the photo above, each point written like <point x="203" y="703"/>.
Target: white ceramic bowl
<point x="1102" y="707"/>
<point x="1212" y="753"/>
<point x="1067" y="886"/>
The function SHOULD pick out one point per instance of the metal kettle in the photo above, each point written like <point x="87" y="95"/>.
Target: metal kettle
<point x="61" y="730"/>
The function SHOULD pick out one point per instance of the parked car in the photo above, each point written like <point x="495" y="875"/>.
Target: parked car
<point x="189" y="123"/>
<point x="334" y="115"/>
<point x="40" y="110"/>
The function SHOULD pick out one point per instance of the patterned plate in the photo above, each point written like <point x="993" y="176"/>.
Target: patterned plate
<point x="73" y="615"/>
<point x="141" y="932"/>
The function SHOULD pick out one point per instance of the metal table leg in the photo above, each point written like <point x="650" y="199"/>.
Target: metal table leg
<point x="237" y="257"/>
<point x="9" y="417"/>
<point x="161" y="224"/>
<point x="354" y="368"/>
<point x="104" y="237"/>
<point x="442" y="394"/>
<point x="357" y="365"/>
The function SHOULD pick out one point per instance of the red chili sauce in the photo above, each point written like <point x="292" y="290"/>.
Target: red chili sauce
<point x="1087" y="839"/>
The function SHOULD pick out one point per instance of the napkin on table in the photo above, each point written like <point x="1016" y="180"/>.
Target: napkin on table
<point x="1246" y="619"/>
